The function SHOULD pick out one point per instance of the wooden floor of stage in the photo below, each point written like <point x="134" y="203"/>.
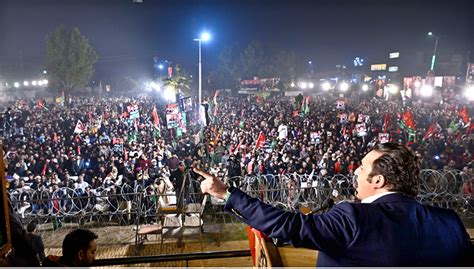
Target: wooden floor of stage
<point x="297" y="257"/>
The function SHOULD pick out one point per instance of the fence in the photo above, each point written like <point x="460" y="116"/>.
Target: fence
<point x="125" y="205"/>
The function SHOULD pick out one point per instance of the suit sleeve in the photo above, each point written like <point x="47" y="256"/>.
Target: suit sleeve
<point x="331" y="232"/>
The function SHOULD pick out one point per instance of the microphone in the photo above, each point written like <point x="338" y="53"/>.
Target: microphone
<point x="326" y="205"/>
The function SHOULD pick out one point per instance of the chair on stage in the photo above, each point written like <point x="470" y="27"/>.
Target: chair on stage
<point x="189" y="218"/>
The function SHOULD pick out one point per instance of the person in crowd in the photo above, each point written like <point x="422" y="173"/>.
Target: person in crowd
<point x="387" y="228"/>
<point x="36" y="240"/>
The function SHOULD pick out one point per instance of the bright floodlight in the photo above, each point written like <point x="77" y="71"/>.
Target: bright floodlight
<point x="365" y="87"/>
<point x="469" y="93"/>
<point x="33" y="83"/>
<point x="311" y="85"/>
<point x="430" y="33"/>
<point x="160" y="66"/>
<point x="417" y="84"/>
<point x="326" y="86"/>
<point x="344" y="86"/>
<point x="303" y="85"/>
<point x="309" y="62"/>
<point x="45" y="81"/>
<point x="155" y="86"/>
<point x="16" y="84"/>
<point x="169" y="94"/>
<point x="26" y="83"/>
<point x="40" y="83"/>
<point x="205" y="36"/>
<point x="426" y="90"/>
<point x="292" y="84"/>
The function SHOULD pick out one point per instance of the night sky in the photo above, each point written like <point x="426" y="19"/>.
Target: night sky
<point x="127" y="35"/>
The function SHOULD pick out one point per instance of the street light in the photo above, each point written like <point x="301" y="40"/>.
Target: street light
<point x="426" y="90"/>
<point x="303" y="85"/>
<point x="205" y="36"/>
<point x="433" y="58"/>
<point x="344" y="86"/>
<point x="16" y="84"/>
<point x="26" y="83"/>
<point x="469" y="93"/>
<point x="326" y="86"/>
<point x="365" y="87"/>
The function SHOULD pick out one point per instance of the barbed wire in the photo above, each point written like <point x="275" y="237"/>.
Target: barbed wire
<point x="137" y="204"/>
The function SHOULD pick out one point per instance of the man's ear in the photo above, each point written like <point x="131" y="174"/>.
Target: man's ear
<point x="80" y="255"/>
<point x="379" y="181"/>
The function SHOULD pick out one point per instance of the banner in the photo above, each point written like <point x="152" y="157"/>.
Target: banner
<point x="80" y="128"/>
<point x="133" y="111"/>
<point x="363" y="118"/>
<point x="361" y="129"/>
<point x="315" y="137"/>
<point x="449" y="82"/>
<point x="341" y="105"/>
<point x="172" y="116"/>
<point x="384" y="138"/>
<point x="379" y="87"/>
<point x="343" y="118"/>
<point x="118" y="144"/>
<point x="470" y="74"/>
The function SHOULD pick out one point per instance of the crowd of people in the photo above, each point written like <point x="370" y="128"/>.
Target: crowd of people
<point x="88" y="144"/>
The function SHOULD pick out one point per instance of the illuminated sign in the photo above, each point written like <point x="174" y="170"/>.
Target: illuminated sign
<point x="392" y="68"/>
<point x="394" y="55"/>
<point x="378" y="67"/>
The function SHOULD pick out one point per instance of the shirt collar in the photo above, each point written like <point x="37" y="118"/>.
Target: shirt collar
<point x="372" y="198"/>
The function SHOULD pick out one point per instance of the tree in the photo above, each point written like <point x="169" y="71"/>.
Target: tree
<point x="284" y="64"/>
<point x="252" y="60"/>
<point x="229" y="71"/>
<point x="71" y="59"/>
<point x="179" y="82"/>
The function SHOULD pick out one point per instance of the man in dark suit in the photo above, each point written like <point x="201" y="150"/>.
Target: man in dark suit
<point x="388" y="228"/>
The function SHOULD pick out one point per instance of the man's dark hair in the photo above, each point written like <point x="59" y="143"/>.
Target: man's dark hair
<point x="75" y="241"/>
<point x="400" y="167"/>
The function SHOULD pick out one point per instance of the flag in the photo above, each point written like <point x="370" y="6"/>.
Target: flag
<point x="41" y="105"/>
<point x="464" y="116"/>
<point x="125" y="155"/>
<point x="90" y="117"/>
<point x="216" y="94"/>
<point x="307" y="109"/>
<point x="260" y="140"/>
<point x="79" y="127"/>
<point x="386" y="122"/>
<point x="407" y="118"/>
<point x="453" y="127"/>
<point x="55" y="137"/>
<point x="156" y="119"/>
<point x="132" y="137"/>
<point x="434" y="128"/>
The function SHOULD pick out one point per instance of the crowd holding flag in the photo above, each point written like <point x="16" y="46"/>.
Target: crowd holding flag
<point x="260" y="140"/>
